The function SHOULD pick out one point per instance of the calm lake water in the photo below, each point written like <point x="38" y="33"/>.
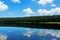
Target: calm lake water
<point x="20" y="33"/>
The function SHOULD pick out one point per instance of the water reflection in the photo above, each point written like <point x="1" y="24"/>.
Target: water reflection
<point x="44" y="32"/>
<point x="21" y="33"/>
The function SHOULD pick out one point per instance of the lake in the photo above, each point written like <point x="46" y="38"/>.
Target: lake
<point x="21" y="33"/>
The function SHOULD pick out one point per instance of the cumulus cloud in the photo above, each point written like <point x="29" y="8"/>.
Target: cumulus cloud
<point x="3" y="6"/>
<point x="54" y="11"/>
<point x="16" y="1"/>
<point x="43" y="12"/>
<point x="44" y="2"/>
<point x="3" y="36"/>
<point x="28" y="11"/>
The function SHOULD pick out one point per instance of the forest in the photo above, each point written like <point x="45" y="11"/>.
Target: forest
<point x="31" y="21"/>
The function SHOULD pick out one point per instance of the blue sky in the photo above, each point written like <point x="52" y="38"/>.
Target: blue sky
<point x="23" y="8"/>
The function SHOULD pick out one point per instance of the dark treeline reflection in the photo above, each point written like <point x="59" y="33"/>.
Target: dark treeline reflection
<point x="33" y="25"/>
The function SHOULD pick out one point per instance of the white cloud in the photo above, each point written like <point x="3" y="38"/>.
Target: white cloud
<point x="28" y="10"/>
<point x="54" y="11"/>
<point x="44" y="2"/>
<point x="53" y="5"/>
<point x="3" y="36"/>
<point x="16" y="1"/>
<point x="43" y="12"/>
<point x="3" y="6"/>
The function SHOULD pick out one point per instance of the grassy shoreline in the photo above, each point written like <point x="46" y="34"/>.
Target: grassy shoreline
<point x="49" y="22"/>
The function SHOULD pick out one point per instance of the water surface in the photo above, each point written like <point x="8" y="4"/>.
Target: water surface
<point x="20" y="33"/>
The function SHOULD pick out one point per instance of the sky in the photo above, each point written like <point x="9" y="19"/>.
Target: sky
<point x="27" y="8"/>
